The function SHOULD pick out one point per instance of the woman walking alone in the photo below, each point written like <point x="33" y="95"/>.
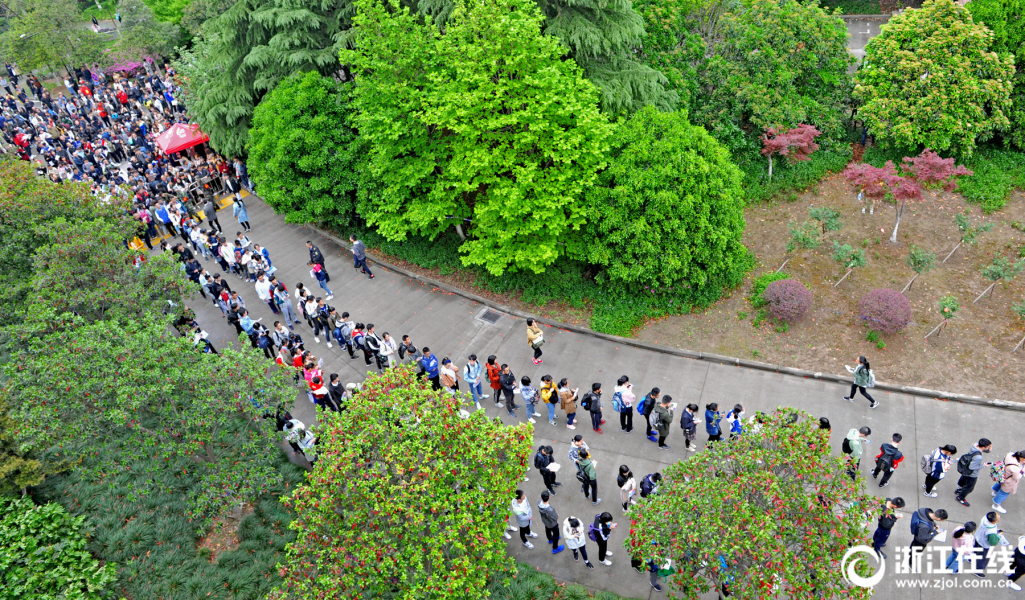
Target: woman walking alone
<point x="863" y="378"/>
<point x="239" y="211"/>
<point x="535" y="338"/>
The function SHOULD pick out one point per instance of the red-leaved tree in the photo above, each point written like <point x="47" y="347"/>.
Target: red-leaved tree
<point x="927" y="169"/>
<point x="408" y="500"/>
<point x="797" y="144"/>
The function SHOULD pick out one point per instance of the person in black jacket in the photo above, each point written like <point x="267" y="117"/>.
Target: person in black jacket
<point x="886" y="523"/>
<point x="689" y="424"/>
<point x="543" y="458"/>
<point x="592" y="401"/>
<point x="372" y="347"/>
<point x="649" y="403"/>
<point x="317" y="257"/>
<point x="508" y="382"/>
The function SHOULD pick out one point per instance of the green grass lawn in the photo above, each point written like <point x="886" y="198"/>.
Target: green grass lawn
<point x="106" y="10"/>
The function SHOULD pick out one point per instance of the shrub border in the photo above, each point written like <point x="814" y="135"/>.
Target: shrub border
<point x="705" y="356"/>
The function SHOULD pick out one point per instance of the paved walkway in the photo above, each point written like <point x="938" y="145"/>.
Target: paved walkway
<point x="449" y="325"/>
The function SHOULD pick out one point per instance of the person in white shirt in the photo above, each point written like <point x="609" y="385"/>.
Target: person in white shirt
<point x="389" y="350"/>
<point x="264" y="291"/>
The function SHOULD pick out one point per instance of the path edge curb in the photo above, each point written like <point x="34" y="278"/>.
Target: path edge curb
<point x="704" y="356"/>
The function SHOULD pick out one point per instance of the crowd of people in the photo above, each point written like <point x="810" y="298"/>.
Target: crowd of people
<point x="102" y="131"/>
<point x="656" y="410"/>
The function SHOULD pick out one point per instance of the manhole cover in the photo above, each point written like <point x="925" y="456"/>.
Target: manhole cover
<point x="490" y="316"/>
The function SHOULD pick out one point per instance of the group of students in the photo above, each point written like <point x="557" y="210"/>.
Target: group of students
<point x="576" y="531"/>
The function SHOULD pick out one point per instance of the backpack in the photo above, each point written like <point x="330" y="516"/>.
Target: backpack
<point x="737" y="426"/>
<point x="846" y="446"/>
<point x="964" y="464"/>
<point x="653" y="419"/>
<point x="640" y="405"/>
<point x="926" y="464"/>
<point x="998" y="473"/>
<point x="617" y="402"/>
<point x="539" y="460"/>
<point x="592" y="531"/>
<point x="871" y="383"/>
<point x="586" y="402"/>
<point x="915" y="522"/>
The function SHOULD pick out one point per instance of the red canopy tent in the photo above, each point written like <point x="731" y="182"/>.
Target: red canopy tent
<point x="180" y="136"/>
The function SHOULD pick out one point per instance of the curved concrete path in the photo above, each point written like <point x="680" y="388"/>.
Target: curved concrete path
<point x="450" y="325"/>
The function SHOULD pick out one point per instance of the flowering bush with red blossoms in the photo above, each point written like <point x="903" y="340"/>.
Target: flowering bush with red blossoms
<point x="769" y="515"/>
<point x="408" y="500"/>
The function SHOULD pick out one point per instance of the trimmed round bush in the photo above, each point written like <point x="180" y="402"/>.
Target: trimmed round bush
<point x="787" y="299"/>
<point x="885" y="310"/>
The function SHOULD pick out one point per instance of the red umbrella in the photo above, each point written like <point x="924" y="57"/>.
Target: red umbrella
<point x="180" y="136"/>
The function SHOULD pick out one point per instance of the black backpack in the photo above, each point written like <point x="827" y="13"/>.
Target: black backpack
<point x="964" y="464"/>
<point x="586" y="402"/>
<point x="539" y="461"/>
<point x="846" y="446"/>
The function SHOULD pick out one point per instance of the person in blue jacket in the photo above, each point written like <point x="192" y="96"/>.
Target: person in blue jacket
<point x="240" y="213"/>
<point x="712" y="419"/>
<point x="430" y="364"/>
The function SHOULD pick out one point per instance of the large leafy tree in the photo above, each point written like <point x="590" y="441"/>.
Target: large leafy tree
<point x="408" y="499"/>
<point x="45" y="555"/>
<point x="1006" y="19"/>
<point x="303" y="151"/>
<point x="930" y="78"/>
<point x="85" y="269"/>
<point x="141" y="34"/>
<point x="777" y="64"/>
<point x="49" y="34"/>
<point x="485" y="123"/>
<point x="246" y="50"/>
<point x="604" y="38"/>
<point x="770" y="514"/>
<point x="140" y="378"/>
<point x="668" y="181"/>
<point x="29" y="206"/>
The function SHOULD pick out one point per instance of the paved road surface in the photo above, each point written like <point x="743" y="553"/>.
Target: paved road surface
<point x="449" y="325"/>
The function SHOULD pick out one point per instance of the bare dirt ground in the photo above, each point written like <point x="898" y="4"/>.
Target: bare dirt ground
<point x="973" y="353"/>
<point x="223" y="533"/>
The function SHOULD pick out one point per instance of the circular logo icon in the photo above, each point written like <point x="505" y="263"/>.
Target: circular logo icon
<point x="850" y="563"/>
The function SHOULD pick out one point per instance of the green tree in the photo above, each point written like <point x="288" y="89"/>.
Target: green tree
<point x="246" y="50"/>
<point x="138" y="377"/>
<point x="604" y="38"/>
<point x="29" y="205"/>
<point x="485" y="123"/>
<point x="19" y="469"/>
<point x="668" y="181"/>
<point x="303" y="151"/>
<point x="45" y="554"/>
<point x="1006" y="19"/>
<point x="86" y="270"/>
<point x="409" y="499"/>
<point x="197" y="12"/>
<point x="141" y="34"/>
<point x="931" y="78"/>
<point x="779" y="484"/>
<point x="49" y="34"/>
<point x="774" y="64"/>
<point x="678" y="34"/>
<point x="168" y="11"/>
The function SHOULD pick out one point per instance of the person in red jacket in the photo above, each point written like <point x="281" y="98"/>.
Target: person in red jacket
<point x="888" y="459"/>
